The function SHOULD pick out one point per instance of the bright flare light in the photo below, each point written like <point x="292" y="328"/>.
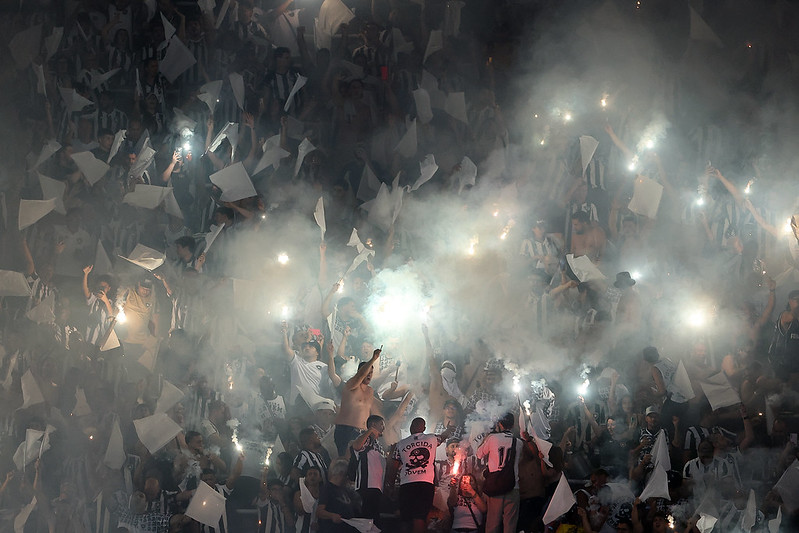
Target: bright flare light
<point x="748" y="188"/>
<point x="633" y="163"/>
<point x="284" y="312"/>
<point x="700" y="201"/>
<point x="187" y="146"/>
<point x="425" y="313"/>
<point x="567" y="117"/>
<point x="340" y="286"/>
<point x="283" y="258"/>
<point x="455" y="468"/>
<point x="788" y="228"/>
<point x="697" y="318"/>
<point x="649" y="144"/>
<point x="472" y="244"/>
<point x="517" y="387"/>
<point x="604" y="101"/>
<point x="582" y="389"/>
<point x="635" y="274"/>
<point x="121" y="318"/>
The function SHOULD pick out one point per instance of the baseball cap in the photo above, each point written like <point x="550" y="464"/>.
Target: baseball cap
<point x="325" y="404"/>
<point x="652" y="409"/>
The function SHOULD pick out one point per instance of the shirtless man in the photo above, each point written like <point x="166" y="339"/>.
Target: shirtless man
<point x="357" y="403"/>
<point x="588" y="238"/>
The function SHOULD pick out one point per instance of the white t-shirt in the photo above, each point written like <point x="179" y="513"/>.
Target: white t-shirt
<point x="308" y="376"/>
<point x="496" y="446"/>
<point x="417" y="454"/>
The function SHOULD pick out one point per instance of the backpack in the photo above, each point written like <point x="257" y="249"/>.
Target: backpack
<point x="503" y="480"/>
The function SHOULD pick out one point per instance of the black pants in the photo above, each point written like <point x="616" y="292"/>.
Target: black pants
<point x="372" y="501"/>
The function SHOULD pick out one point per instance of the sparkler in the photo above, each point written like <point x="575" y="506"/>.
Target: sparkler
<point x="700" y="201"/>
<point x="121" y="317"/>
<point x="567" y="117"/>
<point x="517" y="386"/>
<point x="748" y="188"/>
<point x="633" y="163"/>
<point x="604" y="101"/>
<point x="284" y="312"/>
<point x="582" y="389"/>
<point x="268" y="455"/>
<point x="649" y="144"/>
<point x="283" y="258"/>
<point x="472" y="244"/>
<point x="456" y="467"/>
<point x="697" y="318"/>
<point x="340" y="286"/>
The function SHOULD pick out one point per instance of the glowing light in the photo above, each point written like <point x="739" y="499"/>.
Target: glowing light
<point x="496" y="213"/>
<point x="748" y="188"/>
<point x="121" y="318"/>
<point x="424" y="313"/>
<point x="582" y="389"/>
<point x="749" y="45"/>
<point x="633" y="163"/>
<point x="472" y="244"/>
<point x="535" y="115"/>
<point x="187" y="146"/>
<point x="604" y="102"/>
<point x="284" y="312"/>
<point x="671" y="522"/>
<point x="455" y="468"/>
<point x="542" y="142"/>
<point x="340" y="286"/>
<point x="788" y="228"/>
<point x="635" y="274"/>
<point x="263" y="217"/>
<point x="649" y="144"/>
<point x="503" y="235"/>
<point x="526" y="406"/>
<point x="700" y="201"/>
<point x="697" y="318"/>
<point x="239" y="447"/>
<point x="268" y="455"/>
<point x="91" y="437"/>
<point x="517" y="387"/>
<point x="567" y="117"/>
<point x="204" y="501"/>
<point x="282" y="258"/>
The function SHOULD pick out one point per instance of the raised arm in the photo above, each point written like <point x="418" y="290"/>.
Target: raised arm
<point x="86" y="270"/>
<point x="284" y="327"/>
<point x="30" y="266"/>
<point x="618" y="142"/>
<point x="235" y="473"/>
<point x="331" y="365"/>
<point x="355" y="381"/>
<point x="326" y="308"/>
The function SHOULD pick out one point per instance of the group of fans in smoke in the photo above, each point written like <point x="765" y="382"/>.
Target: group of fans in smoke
<point x="308" y="425"/>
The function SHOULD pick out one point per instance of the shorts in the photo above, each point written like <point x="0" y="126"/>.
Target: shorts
<point x="416" y="500"/>
<point x="343" y="436"/>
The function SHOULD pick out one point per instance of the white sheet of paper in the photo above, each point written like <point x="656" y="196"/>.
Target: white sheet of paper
<point x="52" y="42"/>
<point x="321" y="38"/>
<point x="369" y="185"/>
<point x="583" y="268"/>
<point x="171" y="206"/>
<point x="660" y="451"/>
<point x="219" y="137"/>
<point x="588" y="147"/>
<point x="24" y="46"/>
<point x="169" y="29"/>
<point x="177" y="60"/>
<point x="211" y="236"/>
<point x="381" y="209"/>
<point x="299" y="84"/>
<point x="682" y="382"/>
<point x="31" y="393"/>
<point x="706" y="523"/>
<point x="234" y="182"/>
<point x="145" y="257"/>
<point x="455" y="106"/>
<point x="271" y="157"/>
<point x="31" y="211"/>
<point x="657" y="486"/>
<point x="115" y="456"/>
<point x="41" y="85"/>
<point x="319" y="216"/>
<point x="355" y="241"/>
<point x="156" y="431"/>
<point x="92" y="168"/>
<point x="363" y="255"/>
<point x="333" y="14"/>
<point x="562" y="500"/>
<point x="788" y="487"/>
<point x="719" y="392"/>
<point x="306" y="498"/>
<point x="147" y="196"/>
<point x="72" y="100"/>
<point x="363" y="525"/>
<point x="13" y="284"/>
<point x="646" y="197"/>
<point x="44" y="311"/>
<point x="304" y="149"/>
<point x="774" y="525"/>
<point x="48" y="150"/>
<point x="170" y="396"/>
<point x="423" y="110"/>
<point x="206" y="506"/>
<point x="434" y="43"/>
<point x="22" y="517"/>
<point x="749" y="516"/>
<point x="427" y="168"/>
<point x="222" y="12"/>
<point x="102" y="78"/>
<point x="237" y="85"/>
<point x="467" y="175"/>
<point x="111" y="342"/>
<point x="118" y="138"/>
<point x="209" y="93"/>
<point x="53" y="189"/>
<point x="408" y="145"/>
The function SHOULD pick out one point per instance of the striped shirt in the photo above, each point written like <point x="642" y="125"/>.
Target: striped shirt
<point x="308" y="458"/>
<point x="371" y="470"/>
<point x="39" y="291"/>
<point x="98" y="320"/>
<point x="270" y="517"/>
<point x="113" y="120"/>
